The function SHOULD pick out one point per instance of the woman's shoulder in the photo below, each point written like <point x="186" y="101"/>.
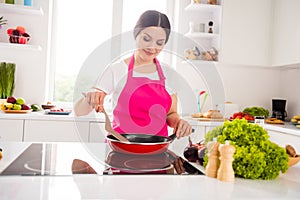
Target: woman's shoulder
<point x="118" y="64"/>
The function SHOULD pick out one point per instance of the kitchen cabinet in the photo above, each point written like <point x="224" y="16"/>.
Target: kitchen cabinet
<point x="285" y="30"/>
<point x="55" y="131"/>
<point x="97" y="132"/>
<point x="283" y="139"/>
<point x="11" y="130"/>
<point x="246" y="32"/>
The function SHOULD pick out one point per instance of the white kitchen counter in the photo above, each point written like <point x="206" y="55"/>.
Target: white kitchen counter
<point x="287" y="128"/>
<point x="40" y="115"/>
<point x="145" y="186"/>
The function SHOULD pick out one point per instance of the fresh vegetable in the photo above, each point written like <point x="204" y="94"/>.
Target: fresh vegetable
<point x="257" y="111"/>
<point x="242" y="115"/>
<point x="7" y="79"/>
<point x="35" y="107"/>
<point x="256" y="157"/>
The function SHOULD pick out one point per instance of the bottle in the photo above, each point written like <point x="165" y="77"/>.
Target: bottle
<point x="210" y="25"/>
<point x="213" y="160"/>
<point x="225" y="171"/>
<point x="27" y="2"/>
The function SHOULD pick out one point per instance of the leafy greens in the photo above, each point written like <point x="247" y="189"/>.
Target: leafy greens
<point x="256" y="157"/>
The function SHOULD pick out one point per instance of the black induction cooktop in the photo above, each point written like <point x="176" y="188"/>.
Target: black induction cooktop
<point x="40" y="160"/>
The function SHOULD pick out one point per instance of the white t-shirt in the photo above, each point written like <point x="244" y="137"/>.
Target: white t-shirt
<point x="113" y="79"/>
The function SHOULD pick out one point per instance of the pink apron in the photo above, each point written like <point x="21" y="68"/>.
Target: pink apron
<point x="143" y="105"/>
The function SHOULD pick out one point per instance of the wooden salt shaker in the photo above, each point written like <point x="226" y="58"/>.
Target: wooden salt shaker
<point x="225" y="171"/>
<point x="213" y="159"/>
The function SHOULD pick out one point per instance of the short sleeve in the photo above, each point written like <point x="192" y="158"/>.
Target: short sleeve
<point x="105" y="82"/>
<point x="172" y="84"/>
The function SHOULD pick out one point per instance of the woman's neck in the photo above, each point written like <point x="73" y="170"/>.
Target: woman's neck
<point x="138" y="61"/>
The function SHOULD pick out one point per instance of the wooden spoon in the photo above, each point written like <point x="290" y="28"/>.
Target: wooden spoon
<point x="109" y="129"/>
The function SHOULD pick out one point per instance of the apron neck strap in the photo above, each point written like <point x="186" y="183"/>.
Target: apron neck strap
<point x="158" y="67"/>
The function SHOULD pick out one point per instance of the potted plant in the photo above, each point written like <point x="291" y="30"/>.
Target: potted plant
<point x="7" y="79"/>
<point x="2" y="21"/>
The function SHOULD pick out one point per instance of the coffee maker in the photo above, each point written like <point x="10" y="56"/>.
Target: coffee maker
<point x="278" y="109"/>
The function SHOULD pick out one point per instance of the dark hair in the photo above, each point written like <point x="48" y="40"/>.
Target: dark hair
<point x="152" y="18"/>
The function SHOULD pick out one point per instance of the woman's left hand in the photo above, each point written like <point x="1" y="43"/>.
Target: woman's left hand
<point x="183" y="128"/>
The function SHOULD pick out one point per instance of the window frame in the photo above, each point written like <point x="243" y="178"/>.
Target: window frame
<point x="117" y="15"/>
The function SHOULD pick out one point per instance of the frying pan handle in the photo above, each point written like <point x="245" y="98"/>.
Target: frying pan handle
<point x="173" y="136"/>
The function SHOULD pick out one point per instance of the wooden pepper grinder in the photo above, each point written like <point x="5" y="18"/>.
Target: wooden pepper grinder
<point x="211" y="169"/>
<point x="225" y="172"/>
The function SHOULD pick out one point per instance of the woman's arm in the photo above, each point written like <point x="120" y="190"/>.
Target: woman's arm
<point x="181" y="127"/>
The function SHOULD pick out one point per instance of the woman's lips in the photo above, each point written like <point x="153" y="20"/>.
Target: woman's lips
<point x="148" y="53"/>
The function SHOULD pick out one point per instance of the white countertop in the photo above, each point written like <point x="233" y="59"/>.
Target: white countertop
<point x="287" y="128"/>
<point x="145" y="186"/>
<point x="41" y="115"/>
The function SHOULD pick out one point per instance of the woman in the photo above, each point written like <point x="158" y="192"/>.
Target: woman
<point x="143" y="105"/>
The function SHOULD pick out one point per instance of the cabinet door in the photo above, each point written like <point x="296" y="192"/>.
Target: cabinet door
<point x="55" y="131"/>
<point x="11" y="130"/>
<point x="246" y="32"/>
<point x="97" y="132"/>
<point x="283" y="139"/>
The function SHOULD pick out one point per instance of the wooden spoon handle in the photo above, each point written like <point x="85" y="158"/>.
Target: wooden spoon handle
<point x="109" y="129"/>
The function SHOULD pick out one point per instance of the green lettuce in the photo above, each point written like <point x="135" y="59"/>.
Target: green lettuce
<point x="256" y="157"/>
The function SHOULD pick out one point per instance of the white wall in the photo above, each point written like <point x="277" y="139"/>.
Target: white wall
<point x="289" y="88"/>
<point x="251" y="86"/>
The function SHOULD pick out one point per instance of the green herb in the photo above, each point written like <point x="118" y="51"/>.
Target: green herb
<point x="257" y="111"/>
<point x="2" y="21"/>
<point x="256" y="157"/>
<point x="7" y="79"/>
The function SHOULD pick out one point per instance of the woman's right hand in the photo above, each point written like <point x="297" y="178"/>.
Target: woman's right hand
<point x="96" y="99"/>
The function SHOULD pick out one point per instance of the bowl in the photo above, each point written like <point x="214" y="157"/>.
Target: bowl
<point x="18" y="39"/>
<point x="294" y="160"/>
<point x="48" y="106"/>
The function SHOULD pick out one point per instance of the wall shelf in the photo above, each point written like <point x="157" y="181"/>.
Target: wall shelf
<point x="21" y="46"/>
<point x="20" y="10"/>
<point x="202" y="35"/>
<point x="203" y="7"/>
<point x="199" y="62"/>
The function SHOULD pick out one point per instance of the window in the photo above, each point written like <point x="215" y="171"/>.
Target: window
<point x="81" y="26"/>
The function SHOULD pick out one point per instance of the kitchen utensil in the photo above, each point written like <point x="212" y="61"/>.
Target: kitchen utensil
<point x="109" y="129"/>
<point x="138" y="144"/>
<point x="294" y="160"/>
<point x="204" y="100"/>
<point x="202" y="92"/>
<point x="48" y="106"/>
<point x="16" y="111"/>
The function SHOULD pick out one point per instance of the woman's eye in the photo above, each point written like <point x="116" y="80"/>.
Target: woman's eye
<point x="146" y="39"/>
<point x="160" y="43"/>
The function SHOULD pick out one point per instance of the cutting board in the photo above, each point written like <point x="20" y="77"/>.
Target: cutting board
<point x="209" y="119"/>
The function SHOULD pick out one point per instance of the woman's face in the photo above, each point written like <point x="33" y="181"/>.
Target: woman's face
<point x="150" y="42"/>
